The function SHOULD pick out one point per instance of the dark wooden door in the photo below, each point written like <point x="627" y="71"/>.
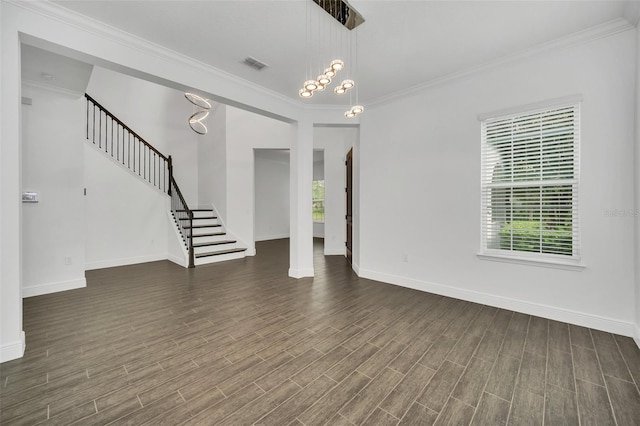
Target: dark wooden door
<point x="349" y="216"/>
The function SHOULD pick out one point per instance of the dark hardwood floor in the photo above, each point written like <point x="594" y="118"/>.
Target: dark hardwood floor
<point x="240" y="343"/>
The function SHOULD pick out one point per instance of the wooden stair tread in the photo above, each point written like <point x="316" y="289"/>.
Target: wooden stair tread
<point x="214" y="243"/>
<point x="200" y="218"/>
<point x="197" y="210"/>
<point x="212" y="234"/>
<point x="202" y="226"/>
<point x="219" y="252"/>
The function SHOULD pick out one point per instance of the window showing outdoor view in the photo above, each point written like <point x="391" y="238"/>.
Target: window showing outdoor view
<point x="318" y="200"/>
<point x="530" y="182"/>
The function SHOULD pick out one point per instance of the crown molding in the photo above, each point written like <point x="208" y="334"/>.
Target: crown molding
<point x="111" y="33"/>
<point x="594" y="33"/>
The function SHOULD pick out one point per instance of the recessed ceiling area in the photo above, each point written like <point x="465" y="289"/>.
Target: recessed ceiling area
<point x="401" y="44"/>
<point x="43" y="68"/>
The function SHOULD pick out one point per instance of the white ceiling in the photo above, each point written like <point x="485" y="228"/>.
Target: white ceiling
<point x="402" y="43"/>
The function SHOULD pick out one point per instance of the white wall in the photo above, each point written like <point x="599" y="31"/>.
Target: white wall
<point x="318" y="229"/>
<point x="212" y="162"/>
<point x="420" y="169"/>
<point x="247" y="131"/>
<point x="318" y="165"/>
<point x="159" y="115"/>
<point x="127" y="218"/>
<point x="334" y="141"/>
<point x="272" y="194"/>
<point x="53" y="163"/>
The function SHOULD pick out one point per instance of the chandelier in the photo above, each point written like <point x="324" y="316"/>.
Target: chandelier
<point x="349" y="18"/>
<point x="201" y="108"/>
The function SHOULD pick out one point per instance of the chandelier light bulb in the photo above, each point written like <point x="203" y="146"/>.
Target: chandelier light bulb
<point x="337" y="65"/>
<point x="310" y="85"/>
<point x="304" y="93"/>
<point x="323" y="79"/>
<point x="329" y="72"/>
<point x="349" y="114"/>
<point x="339" y="90"/>
<point x="358" y="109"/>
<point x="320" y="87"/>
<point x="348" y="84"/>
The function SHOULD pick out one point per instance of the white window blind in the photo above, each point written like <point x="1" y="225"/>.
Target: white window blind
<point x="530" y="178"/>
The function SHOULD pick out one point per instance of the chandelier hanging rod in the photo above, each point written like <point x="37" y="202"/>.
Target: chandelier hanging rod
<point x="342" y="12"/>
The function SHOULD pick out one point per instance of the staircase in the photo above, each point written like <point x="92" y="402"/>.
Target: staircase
<point x="203" y="237"/>
<point x="210" y="242"/>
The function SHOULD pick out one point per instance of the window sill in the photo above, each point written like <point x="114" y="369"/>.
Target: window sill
<point x="569" y="265"/>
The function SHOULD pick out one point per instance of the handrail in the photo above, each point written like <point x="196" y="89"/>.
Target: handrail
<point x="117" y="120"/>
<point x="110" y="135"/>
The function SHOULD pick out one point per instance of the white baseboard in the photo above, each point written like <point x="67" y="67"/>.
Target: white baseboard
<point x="355" y="267"/>
<point x="301" y="273"/>
<point x="573" y="317"/>
<point x="178" y="260"/>
<point x="334" y="252"/>
<point x="637" y="336"/>
<point x="272" y="237"/>
<point x="13" y="350"/>
<point x="38" y="290"/>
<point x="110" y="263"/>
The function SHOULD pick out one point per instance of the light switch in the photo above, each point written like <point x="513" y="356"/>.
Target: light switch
<point x="29" y="197"/>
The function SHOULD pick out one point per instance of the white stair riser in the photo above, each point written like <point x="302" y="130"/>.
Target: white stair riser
<point x="198" y="250"/>
<point x="213" y="223"/>
<point x="208" y="230"/>
<point x="219" y="258"/>
<point x="198" y="222"/>
<point x="207" y="213"/>
<point x="210" y="239"/>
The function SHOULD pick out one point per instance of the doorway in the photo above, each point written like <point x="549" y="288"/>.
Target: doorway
<point x="271" y="194"/>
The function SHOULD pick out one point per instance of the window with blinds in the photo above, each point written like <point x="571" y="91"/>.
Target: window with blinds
<point x="530" y="178"/>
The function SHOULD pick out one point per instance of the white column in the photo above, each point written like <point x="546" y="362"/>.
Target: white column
<point x="637" y="191"/>
<point x="11" y="335"/>
<point x="301" y="178"/>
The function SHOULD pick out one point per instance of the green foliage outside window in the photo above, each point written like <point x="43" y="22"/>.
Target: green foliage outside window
<point x="527" y="236"/>
<point x="318" y="200"/>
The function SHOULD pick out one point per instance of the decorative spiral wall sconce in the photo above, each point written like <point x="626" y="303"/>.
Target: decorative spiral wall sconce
<point x="196" y="119"/>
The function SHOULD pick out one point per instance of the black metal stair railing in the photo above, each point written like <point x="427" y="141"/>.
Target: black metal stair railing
<point x="116" y="139"/>
<point x="110" y="135"/>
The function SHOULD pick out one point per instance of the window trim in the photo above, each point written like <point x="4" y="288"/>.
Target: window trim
<point x="566" y="264"/>
<point x="573" y="263"/>
<point x="521" y="109"/>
